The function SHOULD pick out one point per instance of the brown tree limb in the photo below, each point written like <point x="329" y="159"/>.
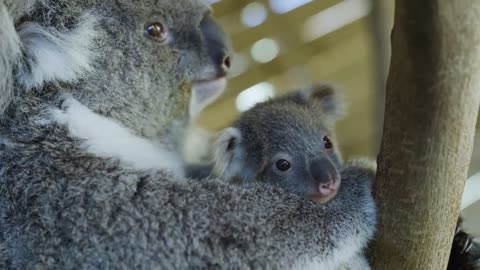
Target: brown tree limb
<point x="432" y="101"/>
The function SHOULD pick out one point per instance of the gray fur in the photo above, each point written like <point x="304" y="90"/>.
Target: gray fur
<point x="294" y="126"/>
<point x="64" y="208"/>
<point x="94" y="214"/>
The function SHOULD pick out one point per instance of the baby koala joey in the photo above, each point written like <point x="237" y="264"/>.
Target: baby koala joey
<point x="287" y="142"/>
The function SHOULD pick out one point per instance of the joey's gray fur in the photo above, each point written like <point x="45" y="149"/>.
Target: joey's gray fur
<point x="72" y="195"/>
<point x="289" y="142"/>
<point x="296" y="129"/>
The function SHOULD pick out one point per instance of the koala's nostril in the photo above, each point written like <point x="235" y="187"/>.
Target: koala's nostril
<point x="226" y="62"/>
<point x="328" y="184"/>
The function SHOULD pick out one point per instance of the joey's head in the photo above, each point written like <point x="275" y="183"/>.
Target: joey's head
<point x="135" y="61"/>
<point x="288" y="142"/>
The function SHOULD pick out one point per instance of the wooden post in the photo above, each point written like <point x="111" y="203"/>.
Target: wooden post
<point x="432" y="102"/>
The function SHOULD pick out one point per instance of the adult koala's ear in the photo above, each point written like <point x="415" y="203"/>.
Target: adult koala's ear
<point x="228" y="154"/>
<point x="327" y="98"/>
<point x="9" y="56"/>
<point x="32" y="55"/>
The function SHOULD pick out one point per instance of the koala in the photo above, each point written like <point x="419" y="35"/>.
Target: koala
<point x="93" y="94"/>
<point x="288" y="142"/>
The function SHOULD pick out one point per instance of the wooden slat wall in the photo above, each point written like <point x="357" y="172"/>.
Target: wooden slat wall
<point x="343" y="57"/>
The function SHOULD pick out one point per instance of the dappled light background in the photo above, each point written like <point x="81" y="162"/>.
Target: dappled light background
<point x="284" y="45"/>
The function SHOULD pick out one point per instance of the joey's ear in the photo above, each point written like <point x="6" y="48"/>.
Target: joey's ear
<point x="227" y="153"/>
<point x="327" y="97"/>
<point x="9" y="56"/>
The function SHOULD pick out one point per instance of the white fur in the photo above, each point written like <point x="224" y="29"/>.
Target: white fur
<point x="196" y="145"/>
<point x="106" y="138"/>
<point x="55" y="56"/>
<point x="345" y="257"/>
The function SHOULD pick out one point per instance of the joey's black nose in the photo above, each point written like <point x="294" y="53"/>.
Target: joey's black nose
<point x="323" y="171"/>
<point x="326" y="180"/>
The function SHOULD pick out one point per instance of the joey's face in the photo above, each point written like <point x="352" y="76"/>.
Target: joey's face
<point x="309" y="170"/>
<point x="288" y="142"/>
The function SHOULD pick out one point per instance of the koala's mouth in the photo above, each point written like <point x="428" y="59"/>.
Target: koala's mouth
<point x="210" y="85"/>
<point x="326" y="191"/>
<point x="205" y="92"/>
<point x="321" y="198"/>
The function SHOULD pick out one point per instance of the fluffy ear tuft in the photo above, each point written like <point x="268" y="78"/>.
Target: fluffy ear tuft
<point x="9" y="56"/>
<point x="54" y="56"/>
<point x="227" y="153"/>
<point x="328" y="97"/>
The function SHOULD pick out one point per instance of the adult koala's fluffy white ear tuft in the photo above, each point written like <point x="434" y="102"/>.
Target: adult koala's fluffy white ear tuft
<point x="32" y="55"/>
<point x="54" y="56"/>
<point x="9" y="56"/>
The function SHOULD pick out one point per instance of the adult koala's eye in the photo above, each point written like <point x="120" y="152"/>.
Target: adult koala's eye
<point x="156" y="31"/>
<point x="282" y="165"/>
<point x="327" y="142"/>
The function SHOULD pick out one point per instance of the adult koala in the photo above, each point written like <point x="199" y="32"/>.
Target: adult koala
<point x="74" y="197"/>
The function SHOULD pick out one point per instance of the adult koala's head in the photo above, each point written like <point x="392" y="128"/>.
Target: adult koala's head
<point x="133" y="61"/>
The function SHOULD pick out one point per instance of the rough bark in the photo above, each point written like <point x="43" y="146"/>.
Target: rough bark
<point x="432" y="101"/>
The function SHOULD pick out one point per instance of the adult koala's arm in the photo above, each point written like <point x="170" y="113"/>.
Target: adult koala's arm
<point x="102" y="216"/>
<point x="74" y="197"/>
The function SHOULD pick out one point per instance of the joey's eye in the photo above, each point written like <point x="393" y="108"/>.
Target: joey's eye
<point x="282" y="165"/>
<point x="327" y="142"/>
<point x="156" y="31"/>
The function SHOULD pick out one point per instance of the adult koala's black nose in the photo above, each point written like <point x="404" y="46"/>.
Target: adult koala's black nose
<point x="226" y="63"/>
<point x="218" y="45"/>
<point x="222" y="62"/>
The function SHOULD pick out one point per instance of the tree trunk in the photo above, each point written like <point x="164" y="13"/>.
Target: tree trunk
<point x="432" y="101"/>
<point x="380" y="29"/>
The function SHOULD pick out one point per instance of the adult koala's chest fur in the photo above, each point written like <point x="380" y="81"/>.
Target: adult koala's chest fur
<point x="119" y="75"/>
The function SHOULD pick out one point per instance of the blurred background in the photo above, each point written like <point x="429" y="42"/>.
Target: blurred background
<point x="283" y="45"/>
